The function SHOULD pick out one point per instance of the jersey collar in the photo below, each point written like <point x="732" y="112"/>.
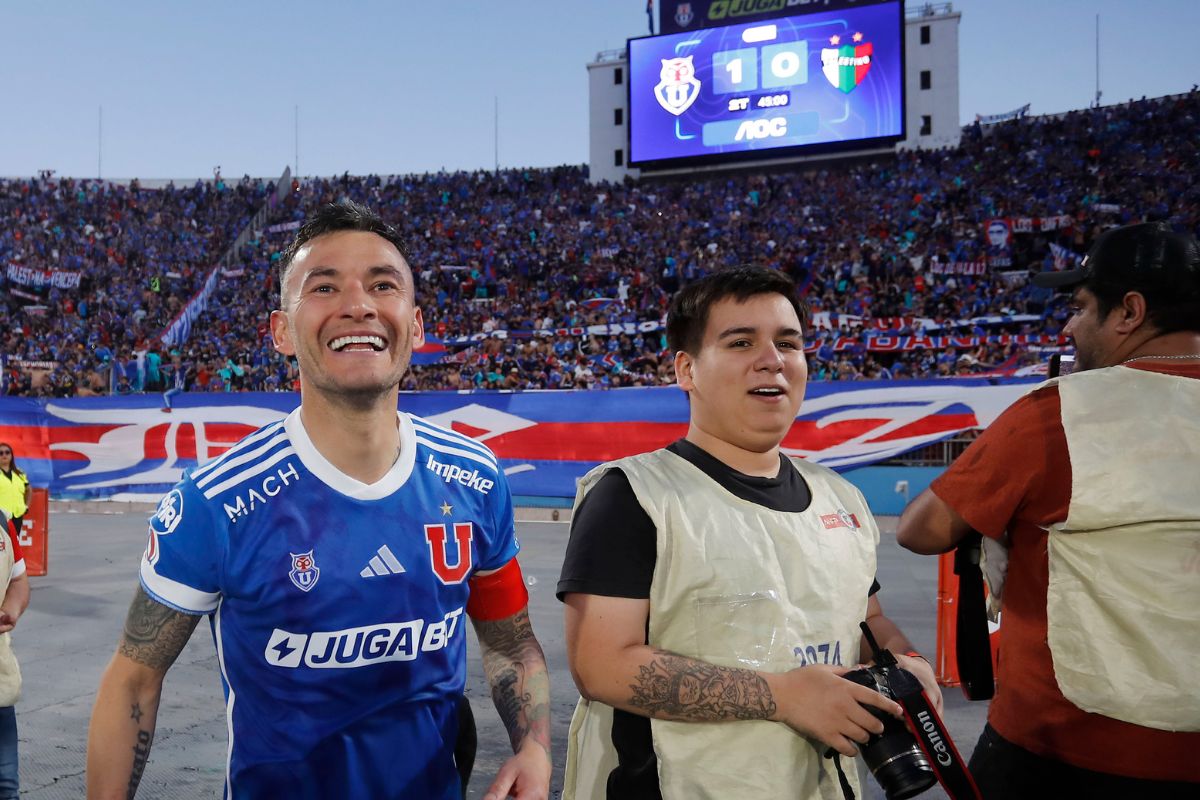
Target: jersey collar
<point x="339" y="481"/>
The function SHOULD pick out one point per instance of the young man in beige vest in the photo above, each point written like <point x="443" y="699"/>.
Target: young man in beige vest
<point x="714" y="588"/>
<point x="1091" y="482"/>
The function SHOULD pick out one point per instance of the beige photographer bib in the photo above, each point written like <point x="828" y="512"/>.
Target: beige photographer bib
<point x="738" y="585"/>
<point x="10" y="671"/>
<point x="1123" y="601"/>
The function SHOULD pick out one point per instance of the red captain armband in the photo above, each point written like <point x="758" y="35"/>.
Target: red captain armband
<point x="497" y="595"/>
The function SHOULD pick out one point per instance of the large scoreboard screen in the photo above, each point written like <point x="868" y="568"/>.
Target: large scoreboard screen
<point x="820" y="81"/>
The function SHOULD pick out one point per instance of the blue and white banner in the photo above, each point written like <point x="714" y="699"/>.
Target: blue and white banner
<point x="181" y="328"/>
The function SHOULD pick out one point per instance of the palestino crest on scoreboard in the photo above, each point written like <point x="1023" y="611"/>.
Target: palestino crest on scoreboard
<point x="684" y="15"/>
<point x="305" y="571"/>
<point x="678" y="87"/>
<point x="846" y="65"/>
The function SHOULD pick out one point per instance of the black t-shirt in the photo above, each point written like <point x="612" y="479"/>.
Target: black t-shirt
<point x="612" y="552"/>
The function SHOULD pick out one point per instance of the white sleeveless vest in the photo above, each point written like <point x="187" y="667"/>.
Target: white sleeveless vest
<point x="10" y="671"/>
<point x="738" y="585"/>
<point x="1123" y="601"/>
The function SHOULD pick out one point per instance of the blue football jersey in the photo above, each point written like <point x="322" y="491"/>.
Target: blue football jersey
<point x="337" y="607"/>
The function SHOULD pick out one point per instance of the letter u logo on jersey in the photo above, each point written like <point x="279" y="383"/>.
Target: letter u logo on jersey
<point x="438" y="556"/>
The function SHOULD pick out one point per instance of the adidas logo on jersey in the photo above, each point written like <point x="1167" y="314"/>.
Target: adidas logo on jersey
<point x="454" y="473"/>
<point x="384" y="562"/>
<point x="360" y="647"/>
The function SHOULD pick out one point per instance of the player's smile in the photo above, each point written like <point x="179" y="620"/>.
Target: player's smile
<point x="357" y="343"/>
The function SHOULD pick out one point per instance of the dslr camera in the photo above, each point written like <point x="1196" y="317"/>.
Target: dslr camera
<point x="908" y="761"/>
<point x="893" y="756"/>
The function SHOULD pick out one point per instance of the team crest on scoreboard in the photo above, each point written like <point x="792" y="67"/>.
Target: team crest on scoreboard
<point x="684" y="15"/>
<point x="305" y="571"/>
<point x="846" y="65"/>
<point x="678" y="87"/>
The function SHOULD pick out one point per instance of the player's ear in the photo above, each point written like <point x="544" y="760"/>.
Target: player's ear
<point x="280" y="335"/>
<point x="418" y="331"/>
<point x="684" y="366"/>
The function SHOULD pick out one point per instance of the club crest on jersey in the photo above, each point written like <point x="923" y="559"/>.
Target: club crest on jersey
<point x="846" y="65"/>
<point x="677" y="88"/>
<point x="305" y="571"/>
<point x="439" y="557"/>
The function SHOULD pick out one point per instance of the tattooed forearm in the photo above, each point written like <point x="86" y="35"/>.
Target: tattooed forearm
<point x="674" y="687"/>
<point x="512" y="703"/>
<point x="516" y="669"/>
<point x="141" y="754"/>
<point x="510" y="636"/>
<point x="155" y="634"/>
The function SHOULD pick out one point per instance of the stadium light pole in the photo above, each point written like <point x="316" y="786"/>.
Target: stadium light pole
<point x="496" y="130"/>
<point x="296" y="160"/>
<point x="100" y="142"/>
<point x="1097" y="61"/>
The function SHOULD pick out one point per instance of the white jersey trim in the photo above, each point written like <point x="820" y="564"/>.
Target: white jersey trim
<point x="458" y="451"/>
<point x="237" y="448"/>
<point x="18" y="569"/>
<point x="339" y="481"/>
<point x="247" y="474"/>
<point x="228" y="703"/>
<point x="177" y="595"/>
<point x="454" y="437"/>
<point x="239" y="460"/>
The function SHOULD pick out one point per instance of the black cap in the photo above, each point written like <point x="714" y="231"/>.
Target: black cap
<point x="1139" y="257"/>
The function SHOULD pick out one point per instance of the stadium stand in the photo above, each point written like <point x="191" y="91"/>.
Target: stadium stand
<point x="96" y="271"/>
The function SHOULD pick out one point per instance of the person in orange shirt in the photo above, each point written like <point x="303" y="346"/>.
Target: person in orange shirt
<point x="1090" y="482"/>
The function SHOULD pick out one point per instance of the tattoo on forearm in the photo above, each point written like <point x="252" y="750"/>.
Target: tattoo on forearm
<point x="141" y="754"/>
<point x="674" y="687"/>
<point x="155" y="634"/>
<point x="135" y="712"/>
<point x="516" y="669"/>
<point x="512" y="703"/>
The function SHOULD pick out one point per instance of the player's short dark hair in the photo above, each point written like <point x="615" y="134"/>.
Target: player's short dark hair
<point x="688" y="315"/>
<point x="345" y="215"/>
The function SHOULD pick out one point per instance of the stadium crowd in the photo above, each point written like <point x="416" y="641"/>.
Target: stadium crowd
<point x="876" y="244"/>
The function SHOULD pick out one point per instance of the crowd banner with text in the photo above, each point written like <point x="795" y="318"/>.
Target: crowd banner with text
<point x="42" y="278"/>
<point x="992" y="119"/>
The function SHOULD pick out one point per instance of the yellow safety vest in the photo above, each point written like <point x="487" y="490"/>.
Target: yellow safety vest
<point x="12" y="494"/>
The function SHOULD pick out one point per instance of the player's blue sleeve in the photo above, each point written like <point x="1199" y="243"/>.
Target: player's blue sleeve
<point x="181" y="565"/>
<point x="500" y="545"/>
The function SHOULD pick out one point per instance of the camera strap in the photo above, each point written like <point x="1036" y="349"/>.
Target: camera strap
<point x="973" y="650"/>
<point x="847" y="789"/>
<point x="934" y="740"/>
